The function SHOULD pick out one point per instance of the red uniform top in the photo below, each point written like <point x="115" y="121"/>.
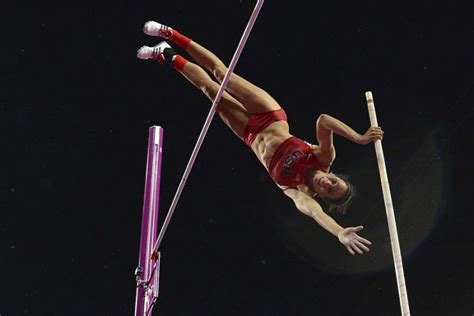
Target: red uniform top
<point x="290" y="162"/>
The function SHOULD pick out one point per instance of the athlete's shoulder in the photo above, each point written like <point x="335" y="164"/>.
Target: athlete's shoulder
<point x="283" y="187"/>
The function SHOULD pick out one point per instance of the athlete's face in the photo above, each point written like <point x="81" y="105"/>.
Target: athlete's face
<point x="328" y="185"/>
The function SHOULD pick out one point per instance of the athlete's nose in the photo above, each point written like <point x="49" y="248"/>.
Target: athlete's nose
<point x="326" y="181"/>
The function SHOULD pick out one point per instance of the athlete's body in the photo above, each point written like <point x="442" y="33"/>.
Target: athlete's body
<point x="299" y="168"/>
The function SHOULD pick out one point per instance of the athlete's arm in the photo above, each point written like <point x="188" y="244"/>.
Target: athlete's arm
<point x="326" y="125"/>
<point x="308" y="206"/>
<point x="347" y="236"/>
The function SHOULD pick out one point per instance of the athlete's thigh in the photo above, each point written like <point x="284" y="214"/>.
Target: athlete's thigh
<point x="231" y="111"/>
<point x="253" y="98"/>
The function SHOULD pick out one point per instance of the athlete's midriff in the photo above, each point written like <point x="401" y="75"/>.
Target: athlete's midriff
<point x="286" y="157"/>
<point x="290" y="162"/>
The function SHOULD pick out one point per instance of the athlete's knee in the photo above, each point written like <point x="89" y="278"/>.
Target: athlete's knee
<point x="219" y="72"/>
<point x="210" y="89"/>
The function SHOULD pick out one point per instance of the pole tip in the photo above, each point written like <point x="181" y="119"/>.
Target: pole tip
<point x="369" y="97"/>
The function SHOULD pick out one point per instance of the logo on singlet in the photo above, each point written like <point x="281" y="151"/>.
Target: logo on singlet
<point x="290" y="160"/>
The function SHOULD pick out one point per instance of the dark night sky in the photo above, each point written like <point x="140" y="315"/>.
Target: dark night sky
<point x="76" y="105"/>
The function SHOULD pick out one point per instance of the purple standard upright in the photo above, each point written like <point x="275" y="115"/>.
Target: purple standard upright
<point x="148" y="270"/>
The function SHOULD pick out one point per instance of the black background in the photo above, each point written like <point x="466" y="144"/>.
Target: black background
<point x="75" y="109"/>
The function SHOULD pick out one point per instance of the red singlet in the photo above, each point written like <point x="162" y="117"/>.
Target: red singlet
<point x="290" y="162"/>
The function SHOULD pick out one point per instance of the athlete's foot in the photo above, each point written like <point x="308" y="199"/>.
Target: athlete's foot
<point x="157" y="29"/>
<point x="155" y="52"/>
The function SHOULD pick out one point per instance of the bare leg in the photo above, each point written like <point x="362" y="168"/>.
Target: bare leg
<point x="229" y="109"/>
<point x="253" y="98"/>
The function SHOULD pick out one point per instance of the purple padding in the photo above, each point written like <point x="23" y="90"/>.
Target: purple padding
<point x="150" y="219"/>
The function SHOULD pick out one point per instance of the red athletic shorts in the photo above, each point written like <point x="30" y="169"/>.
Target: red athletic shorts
<point x="259" y="121"/>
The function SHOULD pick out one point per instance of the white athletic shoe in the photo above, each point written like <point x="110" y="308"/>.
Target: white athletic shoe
<point x="155" y="52"/>
<point x="156" y="29"/>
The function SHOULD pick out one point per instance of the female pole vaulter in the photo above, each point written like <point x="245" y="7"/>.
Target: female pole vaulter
<point x="300" y="169"/>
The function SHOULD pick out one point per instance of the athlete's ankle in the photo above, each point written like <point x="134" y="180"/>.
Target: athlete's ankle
<point x="179" y="62"/>
<point x="180" y="39"/>
<point x="175" y="60"/>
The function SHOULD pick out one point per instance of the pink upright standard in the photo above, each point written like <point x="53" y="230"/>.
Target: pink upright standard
<point x="148" y="270"/>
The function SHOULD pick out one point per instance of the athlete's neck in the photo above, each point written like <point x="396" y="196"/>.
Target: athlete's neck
<point x="309" y="176"/>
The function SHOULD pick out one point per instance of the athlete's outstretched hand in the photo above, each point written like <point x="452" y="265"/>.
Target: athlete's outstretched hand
<point x="372" y="134"/>
<point x="352" y="241"/>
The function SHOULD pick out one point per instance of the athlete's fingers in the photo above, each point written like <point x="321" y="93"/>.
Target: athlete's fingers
<point x="361" y="245"/>
<point x="353" y="246"/>
<point x="365" y="241"/>
<point x="350" y="250"/>
<point x="376" y="131"/>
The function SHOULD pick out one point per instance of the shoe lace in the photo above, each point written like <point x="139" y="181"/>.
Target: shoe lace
<point x="165" y="31"/>
<point x="157" y="54"/>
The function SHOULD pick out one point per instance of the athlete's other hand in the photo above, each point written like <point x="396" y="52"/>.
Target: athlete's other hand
<point x="353" y="242"/>
<point x="372" y="134"/>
